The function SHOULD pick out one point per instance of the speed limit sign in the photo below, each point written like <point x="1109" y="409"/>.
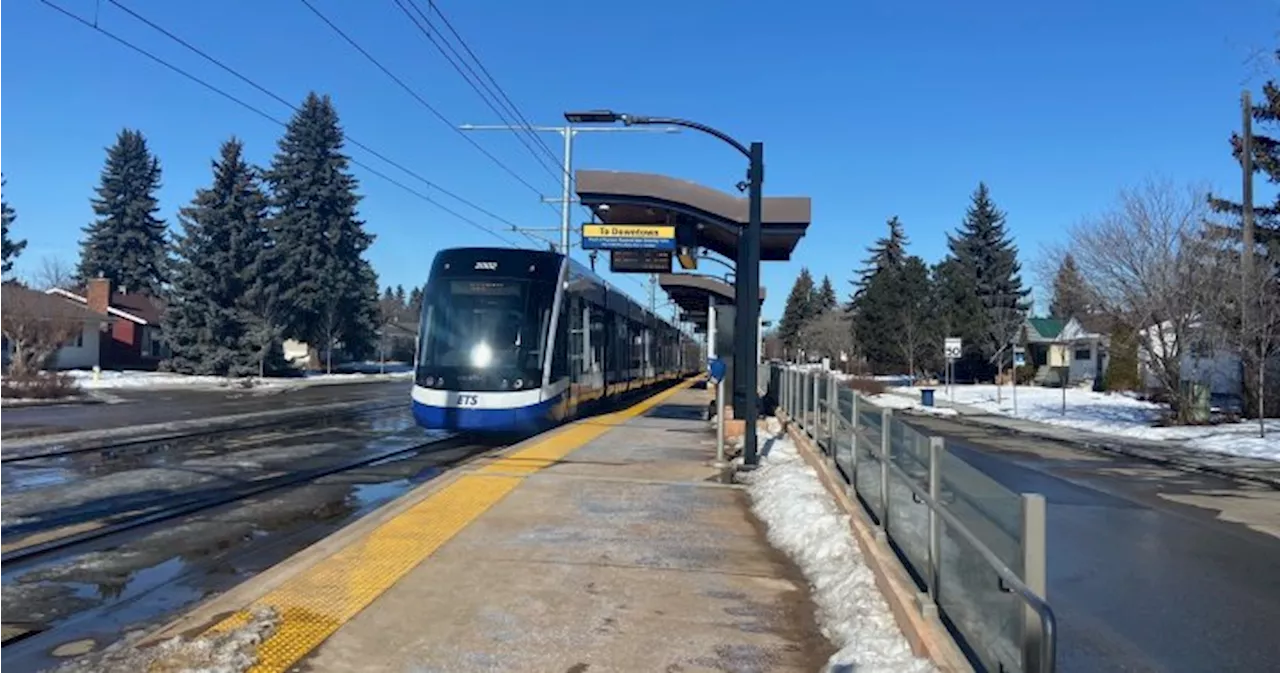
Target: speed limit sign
<point x="951" y="348"/>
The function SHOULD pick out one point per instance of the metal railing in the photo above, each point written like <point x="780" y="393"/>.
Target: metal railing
<point x="975" y="549"/>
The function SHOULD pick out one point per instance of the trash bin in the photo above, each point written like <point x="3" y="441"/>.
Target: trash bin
<point x="926" y="397"/>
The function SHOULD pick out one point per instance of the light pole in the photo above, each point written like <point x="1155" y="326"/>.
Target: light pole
<point x="566" y="186"/>
<point x="747" y="289"/>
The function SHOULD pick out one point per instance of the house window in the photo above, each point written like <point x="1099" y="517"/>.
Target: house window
<point x="1084" y="354"/>
<point x="152" y="345"/>
<point x="77" y="342"/>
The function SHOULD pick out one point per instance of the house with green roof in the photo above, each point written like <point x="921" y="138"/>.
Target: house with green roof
<point x="1084" y="341"/>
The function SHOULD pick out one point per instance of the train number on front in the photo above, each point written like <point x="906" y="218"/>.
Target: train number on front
<point x="468" y="400"/>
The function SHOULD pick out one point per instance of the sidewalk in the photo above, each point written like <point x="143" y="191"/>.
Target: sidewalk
<point x="609" y="545"/>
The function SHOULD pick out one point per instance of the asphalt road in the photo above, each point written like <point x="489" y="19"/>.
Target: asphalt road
<point x="1149" y="568"/>
<point x="141" y="407"/>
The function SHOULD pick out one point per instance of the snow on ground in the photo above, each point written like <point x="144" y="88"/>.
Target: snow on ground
<point x="805" y="523"/>
<point x="115" y="380"/>
<point x="229" y="652"/>
<point x="1111" y="414"/>
<point x="891" y="401"/>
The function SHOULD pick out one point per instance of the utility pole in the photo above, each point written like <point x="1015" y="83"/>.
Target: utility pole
<point x="1247" y="288"/>
<point x="568" y="131"/>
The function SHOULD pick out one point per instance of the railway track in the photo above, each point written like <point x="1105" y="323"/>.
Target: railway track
<point x="48" y="540"/>
<point x="57" y="446"/>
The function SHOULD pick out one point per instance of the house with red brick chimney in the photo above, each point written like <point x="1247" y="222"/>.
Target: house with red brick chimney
<point x="133" y="340"/>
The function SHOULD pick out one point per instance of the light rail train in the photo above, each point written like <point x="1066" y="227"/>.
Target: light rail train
<point x="519" y="340"/>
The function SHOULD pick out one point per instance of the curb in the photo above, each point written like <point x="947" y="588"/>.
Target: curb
<point x="926" y="635"/>
<point x="1123" y="450"/>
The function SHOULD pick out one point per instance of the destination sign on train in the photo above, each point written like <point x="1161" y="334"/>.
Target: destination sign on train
<point x="623" y="236"/>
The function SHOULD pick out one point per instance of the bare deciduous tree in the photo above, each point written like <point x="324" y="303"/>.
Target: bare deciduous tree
<point x="1148" y="262"/>
<point x="53" y="273"/>
<point x="828" y="335"/>
<point x="36" y="326"/>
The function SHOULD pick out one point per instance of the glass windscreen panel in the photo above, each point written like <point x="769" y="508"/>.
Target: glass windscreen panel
<point x="484" y="333"/>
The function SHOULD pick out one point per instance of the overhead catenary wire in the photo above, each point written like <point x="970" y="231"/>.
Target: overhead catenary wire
<point x="269" y="117"/>
<point x="415" y="95"/>
<point x="555" y="171"/>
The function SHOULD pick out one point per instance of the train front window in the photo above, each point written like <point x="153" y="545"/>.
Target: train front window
<point x="485" y="325"/>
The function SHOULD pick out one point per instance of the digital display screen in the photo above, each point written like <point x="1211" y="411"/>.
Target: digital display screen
<point x="484" y="288"/>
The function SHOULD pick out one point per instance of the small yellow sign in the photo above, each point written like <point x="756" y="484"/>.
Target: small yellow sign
<point x="628" y="231"/>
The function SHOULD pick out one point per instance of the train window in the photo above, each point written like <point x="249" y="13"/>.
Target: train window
<point x="486" y="323"/>
<point x="577" y="339"/>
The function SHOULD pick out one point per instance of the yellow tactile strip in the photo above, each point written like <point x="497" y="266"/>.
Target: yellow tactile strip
<point x="315" y="603"/>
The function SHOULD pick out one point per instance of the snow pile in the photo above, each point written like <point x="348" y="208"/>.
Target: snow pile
<point x="229" y="652"/>
<point x="892" y="401"/>
<point x="1112" y="414"/>
<point x="116" y="380"/>
<point x="805" y="523"/>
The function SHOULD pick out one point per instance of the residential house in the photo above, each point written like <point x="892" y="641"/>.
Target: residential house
<point x="1210" y="359"/>
<point x="1083" y="340"/>
<point x="134" y="340"/>
<point x="24" y="306"/>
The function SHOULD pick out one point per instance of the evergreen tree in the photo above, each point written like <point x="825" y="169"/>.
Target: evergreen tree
<point x="887" y="253"/>
<point x="1266" y="160"/>
<point x="798" y="310"/>
<point x="1070" y="293"/>
<point x="209" y="323"/>
<point x="415" y="305"/>
<point x="917" y="335"/>
<point x="989" y="260"/>
<point x="879" y="304"/>
<point x="824" y="299"/>
<point x="127" y="243"/>
<point x="11" y="248"/>
<point x="403" y="302"/>
<point x="329" y="289"/>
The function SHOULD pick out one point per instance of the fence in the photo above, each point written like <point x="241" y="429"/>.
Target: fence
<point x="975" y="549"/>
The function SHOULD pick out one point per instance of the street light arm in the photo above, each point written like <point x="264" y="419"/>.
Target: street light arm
<point x="639" y="119"/>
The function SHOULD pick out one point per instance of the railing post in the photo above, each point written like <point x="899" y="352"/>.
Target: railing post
<point x="936" y="447"/>
<point x="1034" y="576"/>
<point x="853" y="441"/>
<point x="815" y="431"/>
<point x="886" y="418"/>
<point x="833" y="411"/>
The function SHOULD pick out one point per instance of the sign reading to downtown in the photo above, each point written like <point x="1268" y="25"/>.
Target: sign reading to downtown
<point x="628" y="237"/>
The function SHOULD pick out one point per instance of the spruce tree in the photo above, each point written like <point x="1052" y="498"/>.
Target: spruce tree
<point x="989" y="260"/>
<point x="798" y="311"/>
<point x="824" y="299"/>
<point x="208" y="322"/>
<point x="11" y="248"/>
<point x="887" y="253"/>
<point x="1070" y="293"/>
<point x="415" y="305"/>
<point x="127" y="243"/>
<point x="329" y="290"/>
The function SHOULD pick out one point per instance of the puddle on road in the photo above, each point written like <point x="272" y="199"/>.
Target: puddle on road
<point x="100" y="594"/>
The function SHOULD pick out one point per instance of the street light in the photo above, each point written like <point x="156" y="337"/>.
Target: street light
<point x="747" y="290"/>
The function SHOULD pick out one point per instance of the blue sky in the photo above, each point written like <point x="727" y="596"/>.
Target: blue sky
<point x="873" y="108"/>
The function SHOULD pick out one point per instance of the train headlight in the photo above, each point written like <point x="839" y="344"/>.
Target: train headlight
<point x="431" y="381"/>
<point x="481" y="355"/>
<point x="519" y="384"/>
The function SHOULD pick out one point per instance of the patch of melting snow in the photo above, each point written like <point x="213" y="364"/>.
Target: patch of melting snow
<point x="229" y="652"/>
<point x="805" y="523"/>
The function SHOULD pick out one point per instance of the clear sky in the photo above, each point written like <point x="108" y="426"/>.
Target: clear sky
<point x="872" y="108"/>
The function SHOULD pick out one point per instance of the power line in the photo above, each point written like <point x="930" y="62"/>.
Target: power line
<point x="527" y="124"/>
<point x="422" y="101"/>
<point x="266" y="115"/>
<point x="555" y="169"/>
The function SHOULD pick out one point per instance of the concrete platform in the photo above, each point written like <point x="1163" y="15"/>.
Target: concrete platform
<point x="613" y="545"/>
